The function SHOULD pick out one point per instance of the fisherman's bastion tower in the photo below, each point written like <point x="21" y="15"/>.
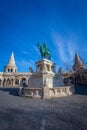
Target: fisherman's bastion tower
<point x="10" y="76"/>
<point x="80" y="71"/>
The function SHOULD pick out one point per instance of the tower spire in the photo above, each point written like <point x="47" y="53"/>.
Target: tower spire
<point x="12" y="60"/>
<point x="11" y="66"/>
<point x="78" y="63"/>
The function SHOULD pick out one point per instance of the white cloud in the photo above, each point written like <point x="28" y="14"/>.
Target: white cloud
<point x="27" y="63"/>
<point x="58" y="41"/>
<point x="71" y="50"/>
<point x="24" y="65"/>
<point x="65" y="47"/>
<point x="26" y="52"/>
<point x="36" y="49"/>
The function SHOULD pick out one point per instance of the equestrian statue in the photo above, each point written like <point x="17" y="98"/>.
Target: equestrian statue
<point x="44" y="51"/>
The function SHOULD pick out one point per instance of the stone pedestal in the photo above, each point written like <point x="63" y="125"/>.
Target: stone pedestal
<point x="45" y="66"/>
<point x="44" y="74"/>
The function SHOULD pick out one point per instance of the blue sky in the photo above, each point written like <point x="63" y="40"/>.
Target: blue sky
<point x="62" y="24"/>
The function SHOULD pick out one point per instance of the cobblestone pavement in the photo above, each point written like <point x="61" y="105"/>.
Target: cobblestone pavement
<point x="22" y="113"/>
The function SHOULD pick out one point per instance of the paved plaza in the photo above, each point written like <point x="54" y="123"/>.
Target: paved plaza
<point x="22" y="113"/>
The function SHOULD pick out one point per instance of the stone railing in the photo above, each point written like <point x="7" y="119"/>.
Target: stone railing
<point x="60" y="91"/>
<point x="33" y="92"/>
<point x="45" y="92"/>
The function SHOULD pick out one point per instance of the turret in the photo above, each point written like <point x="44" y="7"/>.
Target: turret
<point x="78" y="63"/>
<point x="11" y="66"/>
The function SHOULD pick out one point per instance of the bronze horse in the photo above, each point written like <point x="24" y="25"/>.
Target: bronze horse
<point x="45" y="53"/>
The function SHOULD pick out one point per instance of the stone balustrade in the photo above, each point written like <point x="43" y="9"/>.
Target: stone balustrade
<point x="32" y="92"/>
<point x="60" y="91"/>
<point x="45" y="92"/>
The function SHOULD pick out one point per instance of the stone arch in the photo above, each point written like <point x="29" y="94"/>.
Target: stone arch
<point x="8" y="70"/>
<point x="11" y="70"/>
<point x="4" y="82"/>
<point x="16" y="81"/>
<point x="0" y="82"/>
<point x="24" y="82"/>
<point x="8" y="82"/>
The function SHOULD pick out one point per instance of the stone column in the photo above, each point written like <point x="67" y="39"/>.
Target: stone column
<point x="13" y="82"/>
<point x="44" y="69"/>
<point x="50" y="68"/>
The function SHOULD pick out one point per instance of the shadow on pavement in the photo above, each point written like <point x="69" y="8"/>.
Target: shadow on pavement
<point x="82" y="90"/>
<point x="12" y="91"/>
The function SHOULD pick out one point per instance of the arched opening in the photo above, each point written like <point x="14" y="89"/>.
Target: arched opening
<point x="0" y="82"/>
<point x="24" y="82"/>
<point x="16" y="82"/>
<point x="11" y="70"/>
<point x="8" y="70"/>
<point x="4" y="82"/>
<point x="8" y="83"/>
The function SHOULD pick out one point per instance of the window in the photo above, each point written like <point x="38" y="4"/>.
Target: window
<point x="8" y="70"/>
<point x="11" y="70"/>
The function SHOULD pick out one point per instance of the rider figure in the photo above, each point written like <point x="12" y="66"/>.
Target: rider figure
<point x="46" y="49"/>
<point x="45" y="46"/>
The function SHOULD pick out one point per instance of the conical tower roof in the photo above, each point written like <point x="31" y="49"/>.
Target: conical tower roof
<point x="78" y="63"/>
<point x="11" y="61"/>
<point x="11" y="66"/>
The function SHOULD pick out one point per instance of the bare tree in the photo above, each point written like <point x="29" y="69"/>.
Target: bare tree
<point x="67" y="66"/>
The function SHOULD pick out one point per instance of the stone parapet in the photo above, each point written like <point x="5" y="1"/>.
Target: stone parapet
<point x="32" y="92"/>
<point x="45" y="92"/>
<point x="61" y="91"/>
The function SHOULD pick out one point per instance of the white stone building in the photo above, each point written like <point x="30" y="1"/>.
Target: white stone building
<point x="10" y="76"/>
